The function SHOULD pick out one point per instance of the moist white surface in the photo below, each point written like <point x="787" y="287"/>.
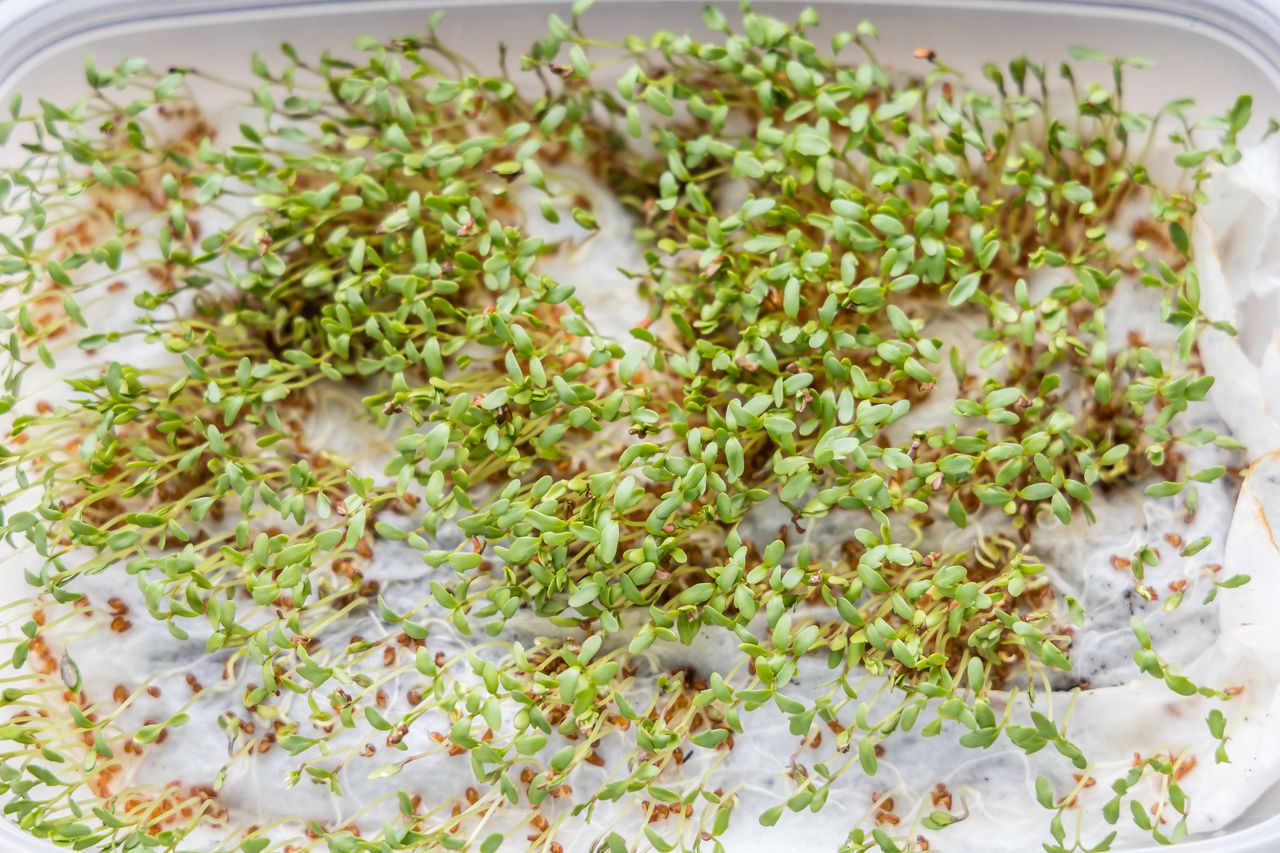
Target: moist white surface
<point x="1228" y="643"/>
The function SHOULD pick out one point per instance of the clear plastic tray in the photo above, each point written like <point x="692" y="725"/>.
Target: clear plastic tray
<point x="1209" y="49"/>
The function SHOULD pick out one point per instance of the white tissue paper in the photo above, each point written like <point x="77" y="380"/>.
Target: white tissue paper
<point x="1232" y="642"/>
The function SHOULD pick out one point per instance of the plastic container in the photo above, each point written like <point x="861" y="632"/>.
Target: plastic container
<point x="1208" y="49"/>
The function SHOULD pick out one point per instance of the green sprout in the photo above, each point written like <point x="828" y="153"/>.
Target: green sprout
<point x="809" y="220"/>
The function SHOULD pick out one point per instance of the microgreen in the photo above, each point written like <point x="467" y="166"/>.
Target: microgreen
<point x="808" y="219"/>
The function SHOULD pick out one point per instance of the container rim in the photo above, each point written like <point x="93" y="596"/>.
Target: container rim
<point x="31" y="28"/>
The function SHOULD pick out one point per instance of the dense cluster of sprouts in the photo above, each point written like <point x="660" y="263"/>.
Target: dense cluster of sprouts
<point x="829" y="248"/>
